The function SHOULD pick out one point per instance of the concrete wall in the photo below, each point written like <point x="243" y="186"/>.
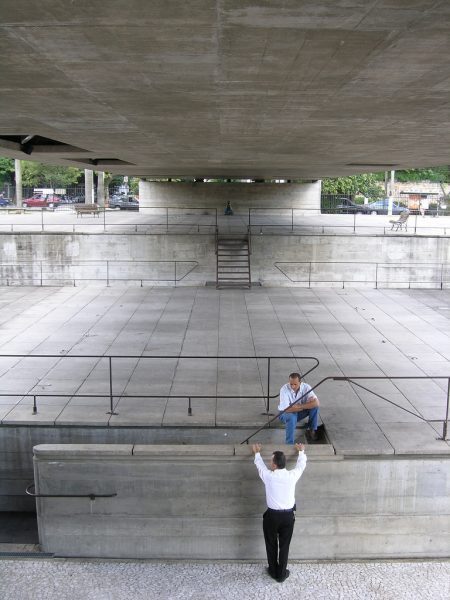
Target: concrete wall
<point x="206" y="502"/>
<point x="241" y="195"/>
<point x="276" y="259"/>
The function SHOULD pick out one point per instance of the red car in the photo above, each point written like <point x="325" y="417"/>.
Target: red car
<point x="42" y="201"/>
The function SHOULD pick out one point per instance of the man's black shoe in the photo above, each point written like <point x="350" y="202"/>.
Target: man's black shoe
<point x="286" y="575"/>
<point x="269" y="572"/>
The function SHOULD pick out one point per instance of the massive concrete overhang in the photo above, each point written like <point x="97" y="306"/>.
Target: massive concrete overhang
<point x="230" y="88"/>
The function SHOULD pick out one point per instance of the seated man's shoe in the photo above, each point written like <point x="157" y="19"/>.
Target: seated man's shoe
<point x="284" y="577"/>
<point x="312" y="436"/>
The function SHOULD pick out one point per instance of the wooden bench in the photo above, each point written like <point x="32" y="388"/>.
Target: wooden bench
<point x="401" y="222"/>
<point x="87" y="209"/>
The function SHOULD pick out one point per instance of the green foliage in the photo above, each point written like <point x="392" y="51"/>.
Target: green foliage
<point x="6" y="169"/>
<point x="365" y="185"/>
<point x="133" y="182"/>
<point x="439" y="174"/>
<point x="35" y="174"/>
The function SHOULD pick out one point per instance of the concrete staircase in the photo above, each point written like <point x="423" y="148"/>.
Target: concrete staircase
<point x="233" y="261"/>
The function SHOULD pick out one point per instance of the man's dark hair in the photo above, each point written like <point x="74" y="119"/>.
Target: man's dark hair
<point x="279" y="459"/>
<point x="295" y="376"/>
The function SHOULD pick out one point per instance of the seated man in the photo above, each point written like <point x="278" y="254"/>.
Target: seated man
<point x="307" y="406"/>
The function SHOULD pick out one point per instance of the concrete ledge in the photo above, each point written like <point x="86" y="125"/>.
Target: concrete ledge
<point x="69" y="451"/>
<point x="312" y="450"/>
<point x="183" y="450"/>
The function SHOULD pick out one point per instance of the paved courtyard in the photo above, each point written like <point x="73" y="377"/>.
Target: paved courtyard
<point x="365" y="333"/>
<point x="122" y="580"/>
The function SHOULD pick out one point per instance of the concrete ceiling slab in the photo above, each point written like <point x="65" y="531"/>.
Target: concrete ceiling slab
<point x="228" y="88"/>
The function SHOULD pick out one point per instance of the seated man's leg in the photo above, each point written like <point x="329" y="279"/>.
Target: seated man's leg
<point x="313" y="417"/>
<point x="290" y="421"/>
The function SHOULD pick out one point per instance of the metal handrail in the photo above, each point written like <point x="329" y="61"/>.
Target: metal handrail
<point x="382" y="377"/>
<point x="111" y="357"/>
<point x="91" y="496"/>
<point x="167" y="212"/>
<point x="37" y="273"/>
<point x="377" y="266"/>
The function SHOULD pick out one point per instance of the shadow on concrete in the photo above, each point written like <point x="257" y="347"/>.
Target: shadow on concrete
<point x="18" y="528"/>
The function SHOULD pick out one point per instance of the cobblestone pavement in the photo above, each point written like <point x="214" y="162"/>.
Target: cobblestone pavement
<point x="61" y="579"/>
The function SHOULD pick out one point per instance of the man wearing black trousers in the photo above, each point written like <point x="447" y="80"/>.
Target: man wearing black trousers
<point x="279" y="518"/>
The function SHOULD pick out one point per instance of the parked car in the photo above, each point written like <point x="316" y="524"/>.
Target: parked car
<point x="380" y="207"/>
<point x="5" y="201"/>
<point x="124" y="203"/>
<point x="42" y="201"/>
<point x="347" y="206"/>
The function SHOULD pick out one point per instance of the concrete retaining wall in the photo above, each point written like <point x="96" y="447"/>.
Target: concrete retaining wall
<point x="206" y="502"/>
<point x="241" y="195"/>
<point x="135" y="259"/>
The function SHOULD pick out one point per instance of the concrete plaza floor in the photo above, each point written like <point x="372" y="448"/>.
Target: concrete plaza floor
<point x="366" y="333"/>
<point x="126" y="580"/>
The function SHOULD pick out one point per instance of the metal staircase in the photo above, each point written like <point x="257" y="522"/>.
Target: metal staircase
<point x="233" y="261"/>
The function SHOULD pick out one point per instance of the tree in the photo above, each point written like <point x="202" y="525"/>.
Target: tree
<point x="6" y="170"/>
<point x="439" y="174"/>
<point x="367" y="184"/>
<point x="36" y="174"/>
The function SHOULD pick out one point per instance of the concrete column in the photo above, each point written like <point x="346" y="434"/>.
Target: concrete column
<point x="242" y="196"/>
<point x="18" y="169"/>
<point x="100" y="188"/>
<point x="89" y="186"/>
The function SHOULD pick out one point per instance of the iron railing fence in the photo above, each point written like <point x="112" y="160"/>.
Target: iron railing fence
<point x="426" y="203"/>
<point x="64" y="191"/>
<point x="273" y="220"/>
<point x="354" y="381"/>
<point x="64" y="218"/>
<point x="173" y="272"/>
<point x="263" y="365"/>
<point x="376" y="274"/>
<point x="50" y="273"/>
<point x="195" y="220"/>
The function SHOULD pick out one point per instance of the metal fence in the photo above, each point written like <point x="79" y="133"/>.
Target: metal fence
<point x="45" y="273"/>
<point x="376" y="274"/>
<point x="263" y="366"/>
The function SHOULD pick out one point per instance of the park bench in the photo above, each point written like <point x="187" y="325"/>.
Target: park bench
<point x="401" y="222"/>
<point x="87" y="209"/>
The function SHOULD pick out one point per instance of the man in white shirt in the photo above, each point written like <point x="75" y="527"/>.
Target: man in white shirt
<point x="279" y="518"/>
<point x="307" y="406"/>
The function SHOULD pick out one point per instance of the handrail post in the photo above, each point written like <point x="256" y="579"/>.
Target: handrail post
<point x="268" y="384"/>
<point x="35" y="406"/>
<point x="292" y="219"/>
<point x="167" y="218"/>
<point x="189" y="408"/>
<point x="111" y="397"/>
<point x="175" y="272"/>
<point x="42" y="219"/>
<point x="354" y="222"/>
<point x="444" y="429"/>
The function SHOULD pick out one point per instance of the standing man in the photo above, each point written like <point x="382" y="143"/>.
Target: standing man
<point x="279" y="518"/>
<point x="307" y="406"/>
